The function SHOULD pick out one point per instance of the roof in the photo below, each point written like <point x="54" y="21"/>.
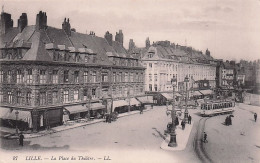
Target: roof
<point x="227" y="65"/>
<point x="38" y="41"/>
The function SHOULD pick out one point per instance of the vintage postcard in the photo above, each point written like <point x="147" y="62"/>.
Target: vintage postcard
<point x="127" y="81"/>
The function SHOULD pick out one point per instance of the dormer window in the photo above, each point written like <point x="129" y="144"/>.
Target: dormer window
<point x="67" y="57"/>
<point x="86" y="58"/>
<point x="77" y="57"/>
<point x="150" y="55"/>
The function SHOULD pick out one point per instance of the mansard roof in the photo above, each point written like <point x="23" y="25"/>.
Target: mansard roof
<point x="179" y="54"/>
<point x="36" y="40"/>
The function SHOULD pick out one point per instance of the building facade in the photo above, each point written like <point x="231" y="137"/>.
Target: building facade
<point x="45" y="70"/>
<point x="164" y="60"/>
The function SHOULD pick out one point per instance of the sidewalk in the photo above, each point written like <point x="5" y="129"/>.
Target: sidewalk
<point x="182" y="137"/>
<point x="12" y="135"/>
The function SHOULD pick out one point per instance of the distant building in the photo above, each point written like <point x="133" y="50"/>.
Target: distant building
<point x="46" y="72"/>
<point x="162" y="60"/>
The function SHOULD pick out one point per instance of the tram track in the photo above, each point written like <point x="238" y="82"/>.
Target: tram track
<point x="198" y="142"/>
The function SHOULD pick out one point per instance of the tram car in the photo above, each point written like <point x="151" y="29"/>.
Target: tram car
<point x="217" y="107"/>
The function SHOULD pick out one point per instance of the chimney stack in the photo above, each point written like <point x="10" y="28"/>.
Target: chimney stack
<point x="207" y="52"/>
<point x="119" y="37"/>
<point x="22" y="22"/>
<point x="6" y="22"/>
<point x="41" y="20"/>
<point x="147" y="42"/>
<point x="109" y="38"/>
<point x="66" y="26"/>
<point x="131" y="44"/>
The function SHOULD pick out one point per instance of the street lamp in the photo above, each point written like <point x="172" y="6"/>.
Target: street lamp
<point x="173" y="142"/>
<point x="128" y="97"/>
<point x="186" y="80"/>
<point x="16" y="115"/>
<point x="89" y="105"/>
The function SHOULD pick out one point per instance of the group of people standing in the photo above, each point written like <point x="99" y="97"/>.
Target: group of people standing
<point x="111" y="117"/>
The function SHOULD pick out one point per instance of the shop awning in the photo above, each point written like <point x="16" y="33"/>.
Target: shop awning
<point x="22" y="115"/>
<point x="177" y="94"/>
<point x="97" y="106"/>
<point x="133" y="101"/>
<point x="206" y="92"/>
<point x="196" y="93"/>
<point x="4" y="112"/>
<point x="146" y="99"/>
<point x="76" y="109"/>
<point x="167" y="96"/>
<point x="119" y="103"/>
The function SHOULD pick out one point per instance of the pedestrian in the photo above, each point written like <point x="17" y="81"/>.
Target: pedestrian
<point x="189" y="119"/>
<point x="141" y="110"/>
<point x="21" y="137"/>
<point x="205" y="137"/>
<point x="107" y="118"/>
<point x="226" y="121"/>
<point x="255" y="116"/>
<point x="176" y="121"/>
<point x="183" y="125"/>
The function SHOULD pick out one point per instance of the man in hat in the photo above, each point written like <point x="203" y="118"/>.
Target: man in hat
<point x="255" y="116"/>
<point x="21" y="137"/>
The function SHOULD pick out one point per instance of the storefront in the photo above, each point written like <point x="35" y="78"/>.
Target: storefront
<point x="146" y="101"/>
<point x="120" y="106"/>
<point x="96" y="110"/>
<point x="11" y="118"/>
<point x="134" y="104"/>
<point x="76" y="111"/>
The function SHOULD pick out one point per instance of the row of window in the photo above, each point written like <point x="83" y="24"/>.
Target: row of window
<point x="27" y="76"/>
<point x="66" y="96"/>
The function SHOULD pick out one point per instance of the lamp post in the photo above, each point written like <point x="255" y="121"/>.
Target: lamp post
<point x="173" y="142"/>
<point x="16" y="115"/>
<point x="186" y="80"/>
<point x="89" y="104"/>
<point x="128" y="97"/>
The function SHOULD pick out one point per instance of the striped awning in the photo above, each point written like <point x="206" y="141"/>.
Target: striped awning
<point x="133" y="101"/>
<point x="196" y="93"/>
<point x="167" y="96"/>
<point x="206" y="92"/>
<point x="97" y="106"/>
<point x="21" y="116"/>
<point x="76" y="109"/>
<point x="119" y="103"/>
<point x="146" y="99"/>
<point x="4" y="112"/>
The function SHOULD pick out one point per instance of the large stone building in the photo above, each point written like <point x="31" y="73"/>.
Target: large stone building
<point x="162" y="60"/>
<point x="46" y="73"/>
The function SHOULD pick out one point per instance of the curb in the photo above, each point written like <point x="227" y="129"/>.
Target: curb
<point x="55" y="131"/>
<point x="180" y="146"/>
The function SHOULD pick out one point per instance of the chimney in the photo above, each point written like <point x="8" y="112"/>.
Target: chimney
<point x="109" y="38"/>
<point x="22" y="22"/>
<point x="207" y="52"/>
<point x="5" y="23"/>
<point x="119" y="37"/>
<point x="131" y="44"/>
<point x="41" y="20"/>
<point x="147" y="42"/>
<point x="66" y="26"/>
<point x="92" y="33"/>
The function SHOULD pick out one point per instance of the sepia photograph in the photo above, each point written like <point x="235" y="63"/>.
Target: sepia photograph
<point x="129" y="81"/>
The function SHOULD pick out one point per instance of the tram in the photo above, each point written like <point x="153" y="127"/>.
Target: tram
<point x="212" y="108"/>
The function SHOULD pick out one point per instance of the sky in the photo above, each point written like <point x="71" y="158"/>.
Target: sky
<point x="230" y="29"/>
